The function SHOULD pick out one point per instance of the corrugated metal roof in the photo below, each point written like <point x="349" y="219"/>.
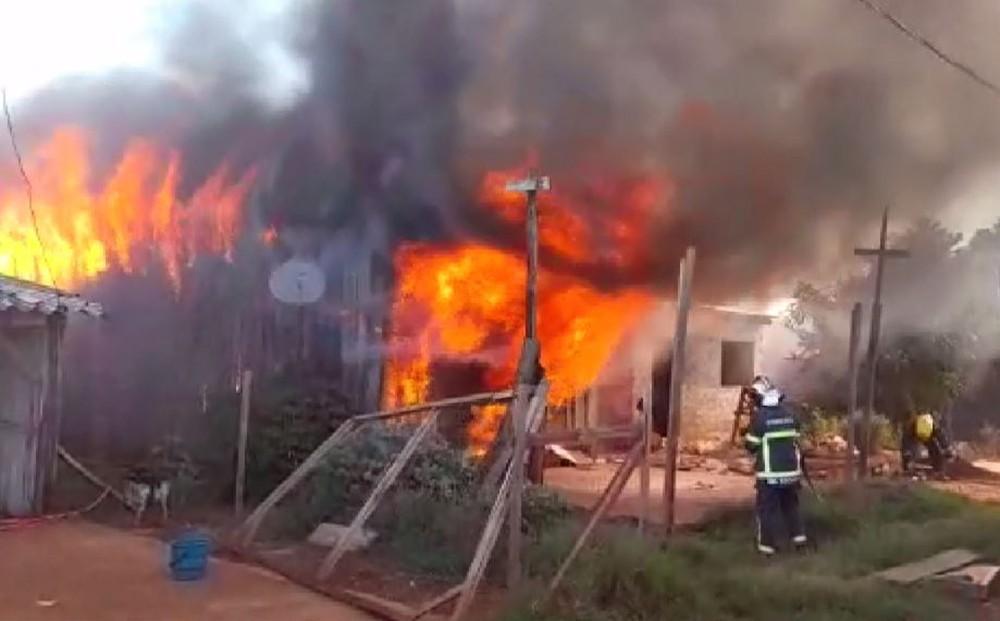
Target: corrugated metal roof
<point x="30" y="297"/>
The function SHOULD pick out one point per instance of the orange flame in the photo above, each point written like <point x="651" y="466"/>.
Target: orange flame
<point x="133" y="219"/>
<point x="467" y="301"/>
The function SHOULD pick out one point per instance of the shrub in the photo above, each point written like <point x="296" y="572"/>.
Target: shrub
<point x="339" y="487"/>
<point x="291" y="414"/>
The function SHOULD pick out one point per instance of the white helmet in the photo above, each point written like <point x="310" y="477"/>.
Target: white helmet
<point x="761" y="384"/>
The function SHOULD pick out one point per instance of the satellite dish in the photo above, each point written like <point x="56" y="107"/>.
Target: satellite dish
<point x="297" y="282"/>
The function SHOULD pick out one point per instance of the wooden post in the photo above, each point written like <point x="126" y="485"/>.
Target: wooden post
<point x="852" y="392"/>
<point x="241" y="446"/>
<point x="493" y="524"/>
<point x="676" y="387"/>
<point x="514" y="513"/>
<point x="591" y="415"/>
<point x="642" y="397"/>
<point x="381" y="488"/>
<point x="880" y="253"/>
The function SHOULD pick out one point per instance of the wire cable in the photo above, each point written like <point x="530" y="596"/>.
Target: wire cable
<point x="943" y="56"/>
<point x="29" y="190"/>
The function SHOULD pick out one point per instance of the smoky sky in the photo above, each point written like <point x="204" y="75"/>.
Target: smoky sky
<point x="785" y="125"/>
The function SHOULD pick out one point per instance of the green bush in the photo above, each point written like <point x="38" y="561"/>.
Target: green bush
<point x="291" y="414"/>
<point x="347" y="476"/>
<point x="819" y="423"/>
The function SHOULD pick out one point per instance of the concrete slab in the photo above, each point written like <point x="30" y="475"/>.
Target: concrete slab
<point x="68" y="571"/>
<point x="925" y="568"/>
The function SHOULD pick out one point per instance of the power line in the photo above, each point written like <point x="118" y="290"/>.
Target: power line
<point x="28" y="188"/>
<point x="956" y="64"/>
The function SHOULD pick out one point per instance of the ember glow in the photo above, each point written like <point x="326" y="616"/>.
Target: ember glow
<point x="131" y="220"/>
<point x="466" y="301"/>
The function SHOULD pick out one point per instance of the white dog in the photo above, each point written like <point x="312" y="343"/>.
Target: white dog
<point x="142" y="486"/>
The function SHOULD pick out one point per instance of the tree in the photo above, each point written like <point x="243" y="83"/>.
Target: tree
<point x="938" y="331"/>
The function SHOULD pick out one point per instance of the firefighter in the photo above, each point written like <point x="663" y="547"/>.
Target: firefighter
<point x="923" y="430"/>
<point x="773" y="440"/>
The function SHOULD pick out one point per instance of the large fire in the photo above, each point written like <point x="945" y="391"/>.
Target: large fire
<point x="466" y="301"/>
<point x="130" y="220"/>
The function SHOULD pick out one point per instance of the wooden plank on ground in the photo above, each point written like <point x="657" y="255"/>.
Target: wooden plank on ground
<point x="925" y="568"/>
<point x="429" y="606"/>
<point x="384" y="483"/>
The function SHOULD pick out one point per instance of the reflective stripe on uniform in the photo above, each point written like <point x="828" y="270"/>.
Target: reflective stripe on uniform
<point x="752" y="439"/>
<point x="767" y="473"/>
<point x="779" y="435"/>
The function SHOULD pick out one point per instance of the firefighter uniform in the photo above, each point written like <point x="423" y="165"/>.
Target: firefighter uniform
<point x="773" y="440"/>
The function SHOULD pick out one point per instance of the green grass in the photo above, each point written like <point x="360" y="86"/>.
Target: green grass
<point x="716" y="575"/>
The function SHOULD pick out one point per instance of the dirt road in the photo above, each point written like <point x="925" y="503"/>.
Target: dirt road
<point x="700" y="495"/>
<point x="75" y="571"/>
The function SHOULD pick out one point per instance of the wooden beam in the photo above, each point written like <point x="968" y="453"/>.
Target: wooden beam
<point x="241" y="443"/>
<point x="584" y="436"/>
<point x="891" y="253"/>
<point x="93" y="478"/>
<point x="645" y="398"/>
<point x="494" y="522"/>
<point x="253" y="522"/>
<point x="429" y="606"/>
<point x="381" y="488"/>
<point x="852" y="392"/>
<point x="514" y="513"/>
<point x="476" y="399"/>
<point x="607" y="500"/>
<point x="503" y="443"/>
<point x="677" y="386"/>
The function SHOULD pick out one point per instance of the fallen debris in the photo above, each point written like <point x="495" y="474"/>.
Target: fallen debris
<point x="977" y="581"/>
<point x="566" y="456"/>
<point x="328" y="534"/>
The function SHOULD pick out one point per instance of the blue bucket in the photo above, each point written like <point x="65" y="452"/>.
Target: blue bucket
<point x="189" y="556"/>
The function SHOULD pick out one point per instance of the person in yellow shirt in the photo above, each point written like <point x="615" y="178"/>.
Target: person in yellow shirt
<point x="923" y="430"/>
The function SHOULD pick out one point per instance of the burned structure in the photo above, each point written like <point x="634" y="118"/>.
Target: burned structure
<point x="723" y="354"/>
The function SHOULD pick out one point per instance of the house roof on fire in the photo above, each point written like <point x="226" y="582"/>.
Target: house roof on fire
<point x="29" y="297"/>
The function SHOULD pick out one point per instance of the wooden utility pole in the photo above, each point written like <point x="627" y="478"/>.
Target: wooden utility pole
<point x="677" y="386"/>
<point x="531" y="187"/>
<point x="852" y="392"/>
<point x="880" y="254"/>
<point x="241" y="447"/>
<point x="526" y="378"/>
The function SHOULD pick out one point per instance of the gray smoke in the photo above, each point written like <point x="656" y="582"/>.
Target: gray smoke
<point x="786" y="125"/>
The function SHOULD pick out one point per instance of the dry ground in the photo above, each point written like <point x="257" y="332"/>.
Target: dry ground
<point x="79" y="571"/>
<point x="700" y="495"/>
